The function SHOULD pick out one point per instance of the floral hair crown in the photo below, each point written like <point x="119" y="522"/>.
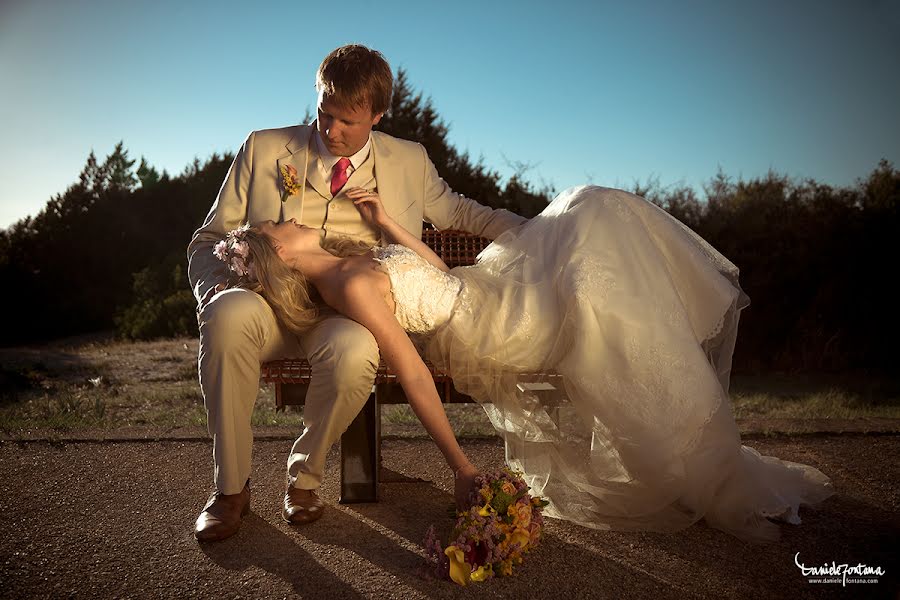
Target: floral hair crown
<point x="234" y="251"/>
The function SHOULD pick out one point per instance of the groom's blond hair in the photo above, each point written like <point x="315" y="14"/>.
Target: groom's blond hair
<point x="354" y="76"/>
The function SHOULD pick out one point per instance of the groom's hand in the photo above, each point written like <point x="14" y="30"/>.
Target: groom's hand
<point x="207" y="297"/>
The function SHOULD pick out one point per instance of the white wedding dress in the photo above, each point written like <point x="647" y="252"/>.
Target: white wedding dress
<point x="639" y="315"/>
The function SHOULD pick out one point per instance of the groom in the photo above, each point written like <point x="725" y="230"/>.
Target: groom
<point x="238" y="330"/>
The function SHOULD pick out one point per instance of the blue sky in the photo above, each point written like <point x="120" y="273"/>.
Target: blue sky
<point x="583" y="91"/>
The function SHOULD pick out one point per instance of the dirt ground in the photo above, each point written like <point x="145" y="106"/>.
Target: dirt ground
<point x="113" y="519"/>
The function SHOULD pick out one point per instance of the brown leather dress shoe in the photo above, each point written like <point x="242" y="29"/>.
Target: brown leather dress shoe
<point x="301" y="506"/>
<point x="221" y="517"/>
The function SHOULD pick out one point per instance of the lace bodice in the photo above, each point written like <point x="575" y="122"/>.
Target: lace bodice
<point x="423" y="294"/>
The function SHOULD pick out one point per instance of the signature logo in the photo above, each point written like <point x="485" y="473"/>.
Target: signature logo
<point x="844" y="573"/>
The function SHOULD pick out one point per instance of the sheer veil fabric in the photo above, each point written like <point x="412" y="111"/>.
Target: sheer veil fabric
<point x="639" y="315"/>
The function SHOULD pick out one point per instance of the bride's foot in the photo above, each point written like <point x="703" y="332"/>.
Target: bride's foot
<point x="463" y="482"/>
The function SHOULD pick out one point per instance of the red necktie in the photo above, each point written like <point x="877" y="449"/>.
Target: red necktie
<point x="339" y="175"/>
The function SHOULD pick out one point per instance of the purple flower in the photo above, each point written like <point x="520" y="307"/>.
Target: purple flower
<point x="237" y="265"/>
<point x="242" y="249"/>
<point x="220" y="250"/>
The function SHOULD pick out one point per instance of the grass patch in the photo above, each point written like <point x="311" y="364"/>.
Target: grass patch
<point x="822" y="396"/>
<point x="467" y="420"/>
<point x="829" y="404"/>
<point x="108" y="384"/>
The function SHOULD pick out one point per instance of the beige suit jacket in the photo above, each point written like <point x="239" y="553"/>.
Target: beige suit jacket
<point x="408" y="184"/>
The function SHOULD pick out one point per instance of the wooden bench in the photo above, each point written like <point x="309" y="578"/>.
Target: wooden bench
<point x="361" y="442"/>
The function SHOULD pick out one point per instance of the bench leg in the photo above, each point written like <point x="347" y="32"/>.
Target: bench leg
<point x="290" y="393"/>
<point x="361" y="455"/>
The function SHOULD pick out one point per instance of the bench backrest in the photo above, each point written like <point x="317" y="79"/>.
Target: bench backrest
<point x="456" y="248"/>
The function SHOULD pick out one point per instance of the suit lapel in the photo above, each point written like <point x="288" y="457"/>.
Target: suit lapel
<point x="386" y="176"/>
<point x="361" y="177"/>
<point x="301" y="145"/>
<point x="396" y="197"/>
<point x="315" y="179"/>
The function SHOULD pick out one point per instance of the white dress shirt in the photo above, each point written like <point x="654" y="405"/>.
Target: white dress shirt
<point x="328" y="160"/>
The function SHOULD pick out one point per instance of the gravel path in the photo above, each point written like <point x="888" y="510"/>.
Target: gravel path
<point x="104" y="519"/>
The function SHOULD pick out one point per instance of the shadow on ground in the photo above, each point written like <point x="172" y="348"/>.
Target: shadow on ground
<point x="114" y="519"/>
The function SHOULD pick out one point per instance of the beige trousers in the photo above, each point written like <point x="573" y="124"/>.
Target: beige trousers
<point x="239" y="332"/>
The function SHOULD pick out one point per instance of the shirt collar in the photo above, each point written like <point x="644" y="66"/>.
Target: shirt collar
<point x="329" y="160"/>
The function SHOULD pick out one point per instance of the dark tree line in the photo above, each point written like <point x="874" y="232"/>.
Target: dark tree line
<point x="114" y="238"/>
<point x="815" y="260"/>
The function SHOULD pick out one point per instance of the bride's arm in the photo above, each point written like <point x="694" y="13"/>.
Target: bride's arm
<point x="358" y="302"/>
<point x="374" y="213"/>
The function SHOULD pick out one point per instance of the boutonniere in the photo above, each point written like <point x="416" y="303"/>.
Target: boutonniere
<point x="289" y="181"/>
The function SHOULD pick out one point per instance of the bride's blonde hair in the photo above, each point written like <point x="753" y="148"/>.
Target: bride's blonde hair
<point x="296" y="302"/>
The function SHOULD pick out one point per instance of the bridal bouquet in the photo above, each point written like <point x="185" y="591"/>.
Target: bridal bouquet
<point x="502" y="524"/>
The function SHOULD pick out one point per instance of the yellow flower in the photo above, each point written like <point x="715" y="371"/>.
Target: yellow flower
<point x="482" y="573"/>
<point x="486" y="493"/>
<point x="524" y="513"/>
<point x="485" y="510"/>
<point x="289" y="181"/>
<point x="520" y="513"/>
<point x="506" y="567"/>
<point x="460" y="570"/>
<point x="508" y="488"/>
<point x="520" y="536"/>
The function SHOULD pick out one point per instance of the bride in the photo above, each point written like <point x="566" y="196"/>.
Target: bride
<point x="635" y="313"/>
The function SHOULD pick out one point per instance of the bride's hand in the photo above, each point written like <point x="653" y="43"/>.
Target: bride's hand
<point x="464" y="481"/>
<point x="369" y="205"/>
